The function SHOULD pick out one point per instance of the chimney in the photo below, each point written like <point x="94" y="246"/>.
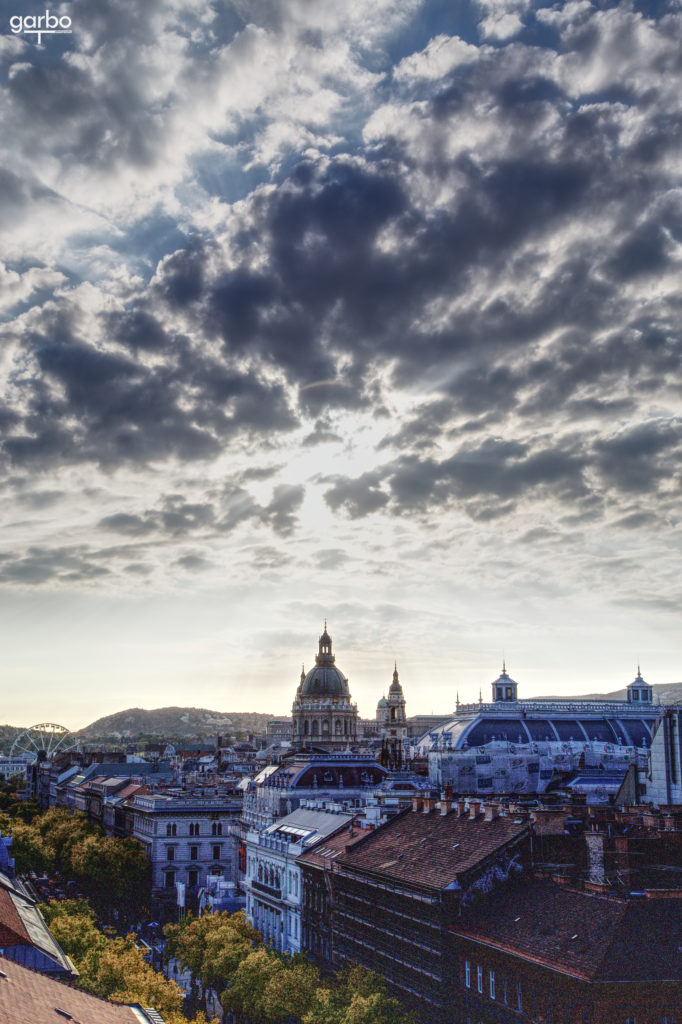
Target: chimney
<point x="445" y="801"/>
<point x="429" y="804"/>
<point x="461" y="808"/>
<point x="595" y="858"/>
<point x="492" y="811"/>
<point x="416" y="803"/>
<point x="475" y="808"/>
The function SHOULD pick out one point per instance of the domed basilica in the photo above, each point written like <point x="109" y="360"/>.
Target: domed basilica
<point x="323" y="713"/>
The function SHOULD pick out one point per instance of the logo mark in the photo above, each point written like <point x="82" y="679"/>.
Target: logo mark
<point x="40" y="25"/>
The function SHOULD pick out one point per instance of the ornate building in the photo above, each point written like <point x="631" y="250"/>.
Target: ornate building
<point x="324" y="716"/>
<point x="393" y="723"/>
<point x="529" y="746"/>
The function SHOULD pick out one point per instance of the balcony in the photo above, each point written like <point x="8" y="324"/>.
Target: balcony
<point x="267" y="890"/>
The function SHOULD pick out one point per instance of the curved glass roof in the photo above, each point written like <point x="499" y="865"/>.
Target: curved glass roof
<point x="478" y="730"/>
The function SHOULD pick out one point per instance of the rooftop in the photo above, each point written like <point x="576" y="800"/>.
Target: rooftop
<point x="27" y="997"/>
<point x="431" y="849"/>
<point x="595" y="937"/>
<point x="22" y="924"/>
<point x="328" y="849"/>
<point x="307" y="826"/>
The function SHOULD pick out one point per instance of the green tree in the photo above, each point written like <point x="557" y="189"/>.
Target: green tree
<point x="73" y="924"/>
<point x="356" y="997"/>
<point x="211" y="947"/>
<point x="245" y="996"/>
<point x="291" y="993"/>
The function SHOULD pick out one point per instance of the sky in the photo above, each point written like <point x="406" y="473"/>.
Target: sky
<point x="328" y="308"/>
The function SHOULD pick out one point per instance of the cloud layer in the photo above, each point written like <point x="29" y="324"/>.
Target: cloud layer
<point x="277" y="271"/>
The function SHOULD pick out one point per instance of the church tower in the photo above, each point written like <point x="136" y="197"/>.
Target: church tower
<point x="324" y="716"/>
<point x="394" y="743"/>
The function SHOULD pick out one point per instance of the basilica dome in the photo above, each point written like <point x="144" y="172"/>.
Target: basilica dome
<point x="325" y="679"/>
<point x="323" y="714"/>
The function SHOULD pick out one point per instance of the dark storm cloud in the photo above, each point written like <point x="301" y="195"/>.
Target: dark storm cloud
<point x="39" y="499"/>
<point x="128" y="525"/>
<point x="503" y="469"/>
<point x="501" y="241"/>
<point x="176" y="517"/>
<point x="359" y="497"/>
<point x="280" y="512"/>
<point x="330" y="559"/>
<point x="17" y="193"/>
<point x="43" y="565"/>
<point x="640" y="459"/>
<point x="111" y="406"/>
<point x="579" y="472"/>
<point x="193" y="563"/>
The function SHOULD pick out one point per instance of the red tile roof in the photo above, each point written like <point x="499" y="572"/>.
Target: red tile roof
<point x="433" y="849"/>
<point x="130" y="790"/>
<point x="327" y="851"/>
<point x="12" y="929"/>
<point x="27" y="997"/>
<point x="596" y="937"/>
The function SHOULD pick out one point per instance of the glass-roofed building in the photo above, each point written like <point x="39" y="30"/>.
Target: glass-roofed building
<point x="524" y="746"/>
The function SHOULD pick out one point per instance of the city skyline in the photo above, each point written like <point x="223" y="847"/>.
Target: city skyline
<point x="360" y="312"/>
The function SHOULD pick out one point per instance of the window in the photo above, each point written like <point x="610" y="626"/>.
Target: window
<point x="467" y="973"/>
<point x="194" y="828"/>
<point x="171" y="830"/>
<point x="170" y="853"/>
<point x="492" y="985"/>
<point x="170" y="879"/>
<point x="194" y="853"/>
<point x="479" y="978"/>
<point x="519" y="1000"/>
<point x="216" y="828"/>
<point x="192" y="877"/>
<point x="216" y="853"/>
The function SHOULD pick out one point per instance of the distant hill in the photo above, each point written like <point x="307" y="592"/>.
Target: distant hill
<point x="184" y="723"/>
<point x="8" y="734"/>
<point x="669" y="693"/>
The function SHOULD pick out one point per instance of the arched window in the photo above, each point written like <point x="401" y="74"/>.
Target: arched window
<point x="306" y="727"/>
<point x="260" y="872"/>
<point x="338" y="727"/>
<point x="315" y="729"/>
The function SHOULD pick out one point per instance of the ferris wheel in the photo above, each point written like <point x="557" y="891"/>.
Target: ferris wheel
<point x="46" y="738"/>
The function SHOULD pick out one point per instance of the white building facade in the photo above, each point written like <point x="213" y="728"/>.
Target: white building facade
<point x="273" y="878"/>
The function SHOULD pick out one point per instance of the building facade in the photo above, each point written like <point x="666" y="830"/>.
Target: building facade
<point x="395" y="890"/>
<point x="273" y="881"/>
<point x="186" y="838"/>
